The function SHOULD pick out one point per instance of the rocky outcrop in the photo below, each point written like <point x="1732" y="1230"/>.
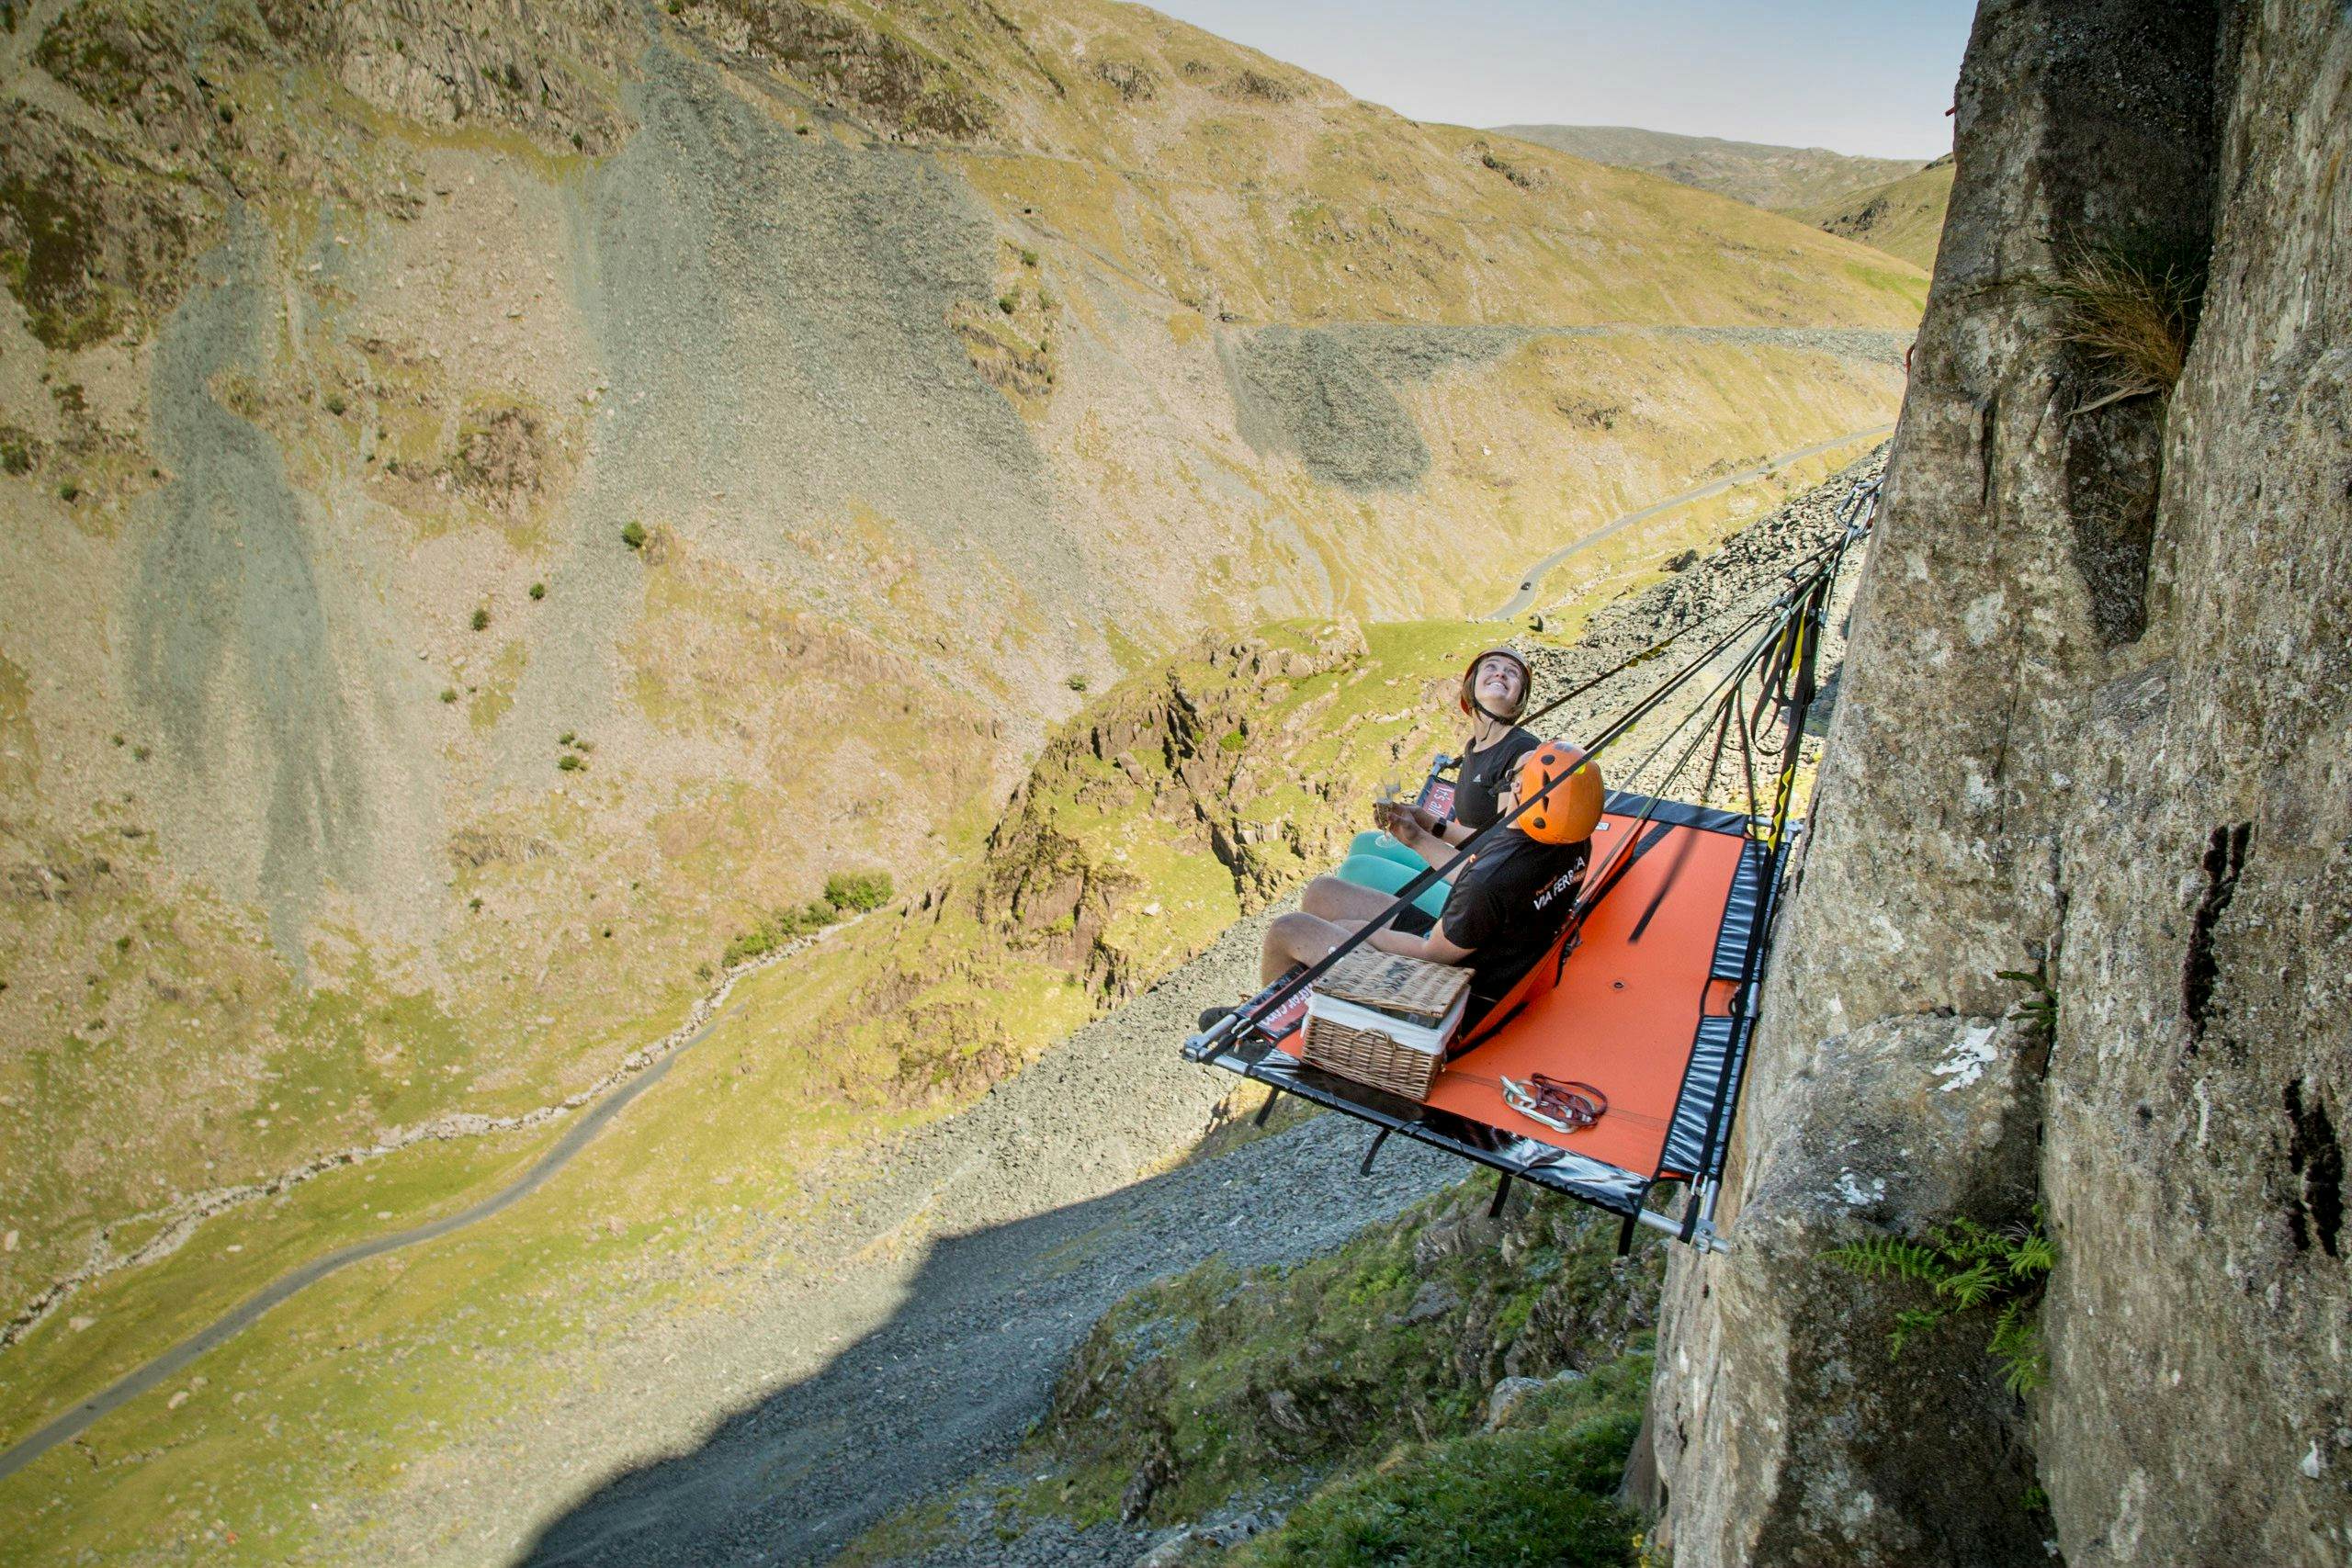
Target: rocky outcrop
<point x="1181" y="748"/>
<point x="1135" y="837"/>
<point x="2093" y="727"/>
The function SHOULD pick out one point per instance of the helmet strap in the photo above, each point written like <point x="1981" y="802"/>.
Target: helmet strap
<point x="1502" y="722"/>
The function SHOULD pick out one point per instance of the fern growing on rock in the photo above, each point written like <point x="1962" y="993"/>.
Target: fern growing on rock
<point x="1967" y="1268"/>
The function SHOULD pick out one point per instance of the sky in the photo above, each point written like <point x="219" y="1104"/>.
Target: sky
<point x="1851" y="75"/>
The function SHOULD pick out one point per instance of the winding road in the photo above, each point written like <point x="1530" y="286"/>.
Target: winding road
<point x="1025" y="1236"/>
<point x="1534" y="577"/>
<point x="65" y="1427"/>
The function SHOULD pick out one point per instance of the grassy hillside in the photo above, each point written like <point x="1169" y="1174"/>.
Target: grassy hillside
<point x="1186" y="796"/>
<point x="503" y="508"/>
<point x="1759" y="174"/>
<point x="1904" y="217"/>
<point x="1891" y="204"/>
<point x="1194" y="791"/>
<point x="1349" y="1396"/>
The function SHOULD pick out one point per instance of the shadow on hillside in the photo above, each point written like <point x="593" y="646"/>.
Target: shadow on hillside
<point x="954" y="1376"/>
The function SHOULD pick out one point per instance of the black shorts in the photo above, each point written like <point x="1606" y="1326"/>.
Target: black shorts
<point x="1413" y="921"/>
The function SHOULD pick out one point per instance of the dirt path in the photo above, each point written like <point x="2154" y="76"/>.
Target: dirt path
<point x="1518" y="603"/>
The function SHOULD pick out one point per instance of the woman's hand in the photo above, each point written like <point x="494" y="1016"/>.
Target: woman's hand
<point x="1410" y="825"/>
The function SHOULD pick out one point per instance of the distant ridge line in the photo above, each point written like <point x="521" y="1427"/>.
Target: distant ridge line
<point x="1757" y="173"/>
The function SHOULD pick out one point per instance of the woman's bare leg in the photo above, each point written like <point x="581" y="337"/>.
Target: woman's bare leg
<point x="1299" y="938"/>
<point x="1333" y="899"/>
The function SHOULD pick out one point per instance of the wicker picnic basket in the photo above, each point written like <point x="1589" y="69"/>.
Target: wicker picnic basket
<point x="1383" y="1019"/>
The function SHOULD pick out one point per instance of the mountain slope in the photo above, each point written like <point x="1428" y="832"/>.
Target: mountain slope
<point x="784" y="1184"/>
<point x="1782" y="178"/>
<point x="1904" y="217"/>
<point x="508" y="504"/>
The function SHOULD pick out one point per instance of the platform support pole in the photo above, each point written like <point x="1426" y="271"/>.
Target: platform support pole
<point x="1502" y="1192"/>
<point x="1365" y="1169"/>
<point x="1266" y="1110"/>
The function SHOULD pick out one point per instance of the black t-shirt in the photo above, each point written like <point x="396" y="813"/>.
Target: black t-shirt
<point x="1484" y="774"/>
<point x="1507" y="906"/>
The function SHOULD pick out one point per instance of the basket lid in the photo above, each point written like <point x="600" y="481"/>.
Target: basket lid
<point x="1394" y="984"/>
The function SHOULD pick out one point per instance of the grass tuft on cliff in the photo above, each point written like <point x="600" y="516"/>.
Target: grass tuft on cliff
<point x="2131" y="306"/>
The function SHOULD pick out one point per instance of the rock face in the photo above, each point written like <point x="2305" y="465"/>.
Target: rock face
<point x="2093" y="725"/>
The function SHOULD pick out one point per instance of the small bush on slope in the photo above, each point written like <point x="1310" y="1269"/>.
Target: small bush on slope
<point x="846" y="893"/>
<point x="858" y="890"/>
<point x="1484" y="1500"/>
<point x="777" y="929"/>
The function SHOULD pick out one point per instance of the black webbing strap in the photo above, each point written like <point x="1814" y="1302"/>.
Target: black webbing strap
<point x="1502" y="1195"/>
<point x="1807" y="625"/>
<point x="1747" y="763"/>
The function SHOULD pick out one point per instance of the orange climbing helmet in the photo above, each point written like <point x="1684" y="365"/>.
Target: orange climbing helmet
<point x="1470" y="703"/>
<point x="1572" y="811"/>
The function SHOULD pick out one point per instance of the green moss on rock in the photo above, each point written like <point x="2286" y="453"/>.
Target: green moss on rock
<point x="1539" y="1496"/>
<point x="47" y="248"/>
<point x="1215" y="1384"/>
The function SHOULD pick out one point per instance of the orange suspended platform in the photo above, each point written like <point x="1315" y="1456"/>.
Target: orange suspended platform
<point x="1649" y="1007"/>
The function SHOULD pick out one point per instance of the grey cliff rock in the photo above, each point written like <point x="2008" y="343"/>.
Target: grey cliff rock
<point x="2094" y="718"/>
